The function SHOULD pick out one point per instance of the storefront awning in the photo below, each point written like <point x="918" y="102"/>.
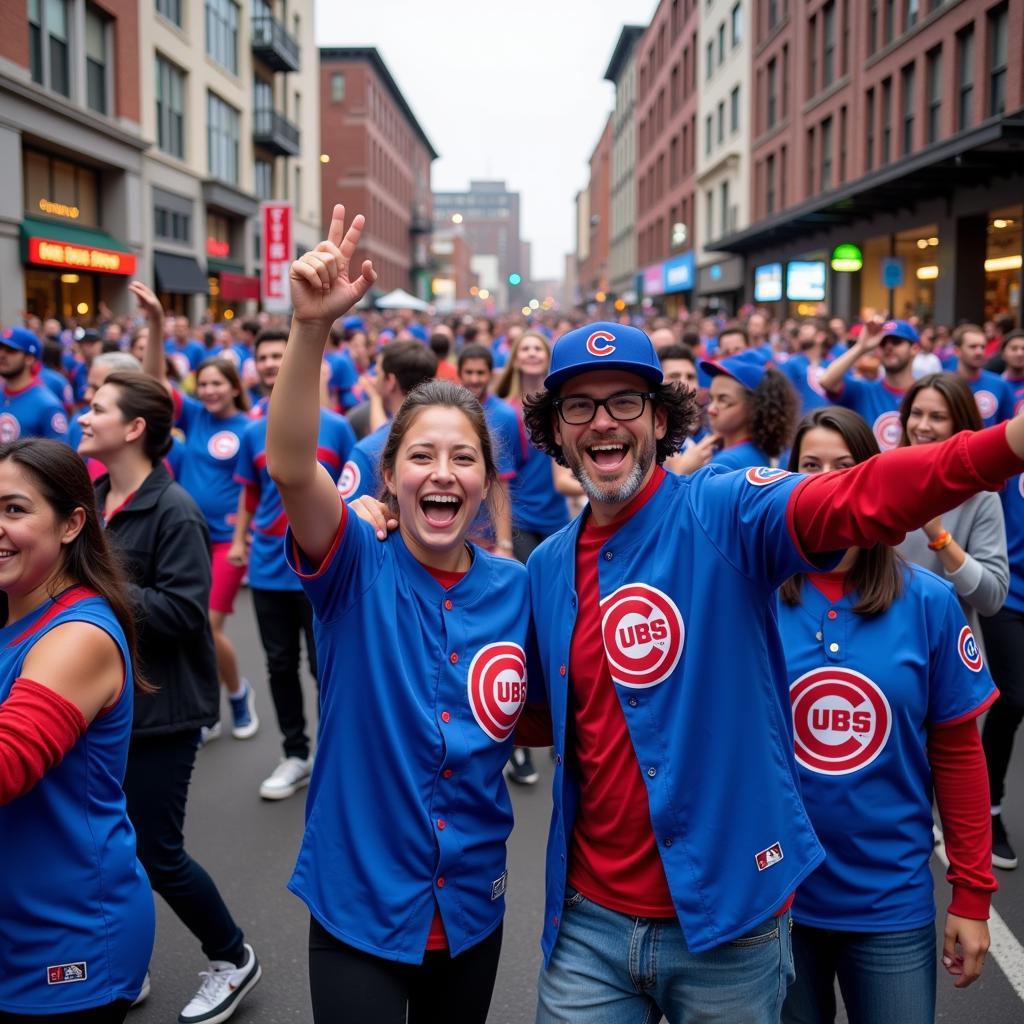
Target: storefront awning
<point x="179" y="274"/>
<point x="69" y="247"/>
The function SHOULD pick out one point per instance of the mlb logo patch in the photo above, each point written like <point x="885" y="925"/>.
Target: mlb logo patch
<point x="62" y="974"/>
<point x="498" y="886"/>
<point x="766" y="858"/>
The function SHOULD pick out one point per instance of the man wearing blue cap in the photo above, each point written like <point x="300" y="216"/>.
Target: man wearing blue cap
<point x="27" y="407"/>
<point x="877" y="401"/>
<point x="678" y="835"/>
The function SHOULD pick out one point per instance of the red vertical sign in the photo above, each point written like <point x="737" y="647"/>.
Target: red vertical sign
<point x="276" y="219"/>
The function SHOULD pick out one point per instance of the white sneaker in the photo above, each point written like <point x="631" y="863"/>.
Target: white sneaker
<point x="244" y="720"/>
<point x="208" y="733"/>
<point x="291" y="774"/>
<point x="222" y="990"/>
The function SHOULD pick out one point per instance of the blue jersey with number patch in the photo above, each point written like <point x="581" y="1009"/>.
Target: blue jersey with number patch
<point x="878" y="404"/>
<point x="994" y="397"/>
<point x="76" y="908"/>
<point x="32" y="411"/>
<point x="708" y="716"/>
<point x="428" y="722"/>
<point x="207" y="470"/>
<point x="864" y="691"/>
<point x="361" y="474"/>
<point x="267" y="567"/>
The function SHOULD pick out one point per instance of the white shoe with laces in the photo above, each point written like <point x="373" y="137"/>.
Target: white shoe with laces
<point x="287" y="778"/>
<point x="223" y="987"/>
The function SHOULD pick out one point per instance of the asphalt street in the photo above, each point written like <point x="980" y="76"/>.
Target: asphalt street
<point x="249" y="847"/>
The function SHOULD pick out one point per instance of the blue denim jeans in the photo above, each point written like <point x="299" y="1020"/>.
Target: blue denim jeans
<point x="883" y="977"/>
<point x="609" y="968"/>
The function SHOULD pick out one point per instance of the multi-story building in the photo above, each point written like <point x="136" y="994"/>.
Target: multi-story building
<point x="621" y="73"/>
<point x="897" y="129"/>
<point x="229" y="102"/>
<point x="72" y="232"/>
<point x="593" y="267"/>
<point x="667" y="69"/>
<point x="723" y="124"/>
<point x="377" y="161"/>
<point x="489" y="214"/>
<point x="454" y="283"/>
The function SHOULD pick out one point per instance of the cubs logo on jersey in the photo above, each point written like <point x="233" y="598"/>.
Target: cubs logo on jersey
<point x="223" y="445"/>
<point x="987" y="403"/>
<point x="497" y="688"/>
<point x="181" y="364"/>
<point x="10" y="428"/>
<point x="814" y="375"/>
<point x="59" y="423"/>
<point x="348" y="482"/>
<point x="888" y="430"/>
<point x="841" y="720"/>
<point x="643" y="635"/>
<point x="967" y="648"/>
<point x="600" y="343"/>
<point x="762" y="476"/>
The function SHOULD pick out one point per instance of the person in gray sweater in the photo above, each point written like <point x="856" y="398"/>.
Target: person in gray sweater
<point x="966" y="546"/>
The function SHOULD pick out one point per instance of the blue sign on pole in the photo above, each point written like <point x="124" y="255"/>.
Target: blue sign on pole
<point x="892" y="272"/>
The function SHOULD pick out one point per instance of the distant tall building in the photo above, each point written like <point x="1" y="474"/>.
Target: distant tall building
<point x="593" y="267"/>
<point x="489" y="215"/>
<point x="376" y="160"/>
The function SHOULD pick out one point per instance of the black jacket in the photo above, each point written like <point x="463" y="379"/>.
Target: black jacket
<point x="164" y="543"/>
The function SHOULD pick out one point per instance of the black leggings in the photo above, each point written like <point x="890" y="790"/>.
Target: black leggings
<point x="112" y="1013"/>
<point x="349" y="986"/>
<point x="1004" y="641"/>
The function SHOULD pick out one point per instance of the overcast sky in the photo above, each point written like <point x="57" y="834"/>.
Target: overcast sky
<point x="502" y="90"/>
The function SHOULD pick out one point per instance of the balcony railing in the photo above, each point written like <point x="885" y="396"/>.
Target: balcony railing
<point x="273" y="45"/>
<point x="273" y="131"/>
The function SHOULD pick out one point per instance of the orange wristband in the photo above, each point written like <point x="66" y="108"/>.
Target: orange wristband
<point x="943" y="540"/>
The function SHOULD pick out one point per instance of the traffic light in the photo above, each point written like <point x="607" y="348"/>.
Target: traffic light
<point x="514" y="279"/>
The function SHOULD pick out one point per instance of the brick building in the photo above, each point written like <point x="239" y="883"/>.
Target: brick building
<point x="897" y="127"/>
<point x="592" y="274"/>
<point x="377" y="161"/>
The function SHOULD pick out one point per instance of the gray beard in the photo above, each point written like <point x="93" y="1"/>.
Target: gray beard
<point x="629" y="487"/>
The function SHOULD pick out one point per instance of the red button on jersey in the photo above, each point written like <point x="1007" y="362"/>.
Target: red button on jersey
<point x="448" y="605"/>
<point x="447" y="773"/>
<point x="440" y="883"/>
<point x="832" y="614"/>
<point x="561" y="670"/>
<point x="441" y="823"/>
<point x="445" y="716"/>
<point x="454" y="658"/>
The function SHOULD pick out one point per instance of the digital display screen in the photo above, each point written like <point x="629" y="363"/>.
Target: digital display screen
<point x="768" y="282"/>
<point x="805" y="281"/>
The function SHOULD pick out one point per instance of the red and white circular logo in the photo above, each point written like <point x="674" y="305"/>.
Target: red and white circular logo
<point x="223" y="445"/>
<point x="967" y="648"/>
<point x="10" y="428"/>
<point x="841" y="720"/>
<point x="181" y="364"/>
<point x="348" y="482"/>
<point x="814" y="375"/>
<point x="888" y="430"/>
<point x="987" y="403"/>
<point x="762" y="476"/>
<point x="497" y="688"/>
<point x="59" y="423"/>
<point x="643" y="635"/>
<point x="600" y="343"/>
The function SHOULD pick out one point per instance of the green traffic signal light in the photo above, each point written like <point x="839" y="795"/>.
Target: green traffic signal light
<point x="515" y="279"/>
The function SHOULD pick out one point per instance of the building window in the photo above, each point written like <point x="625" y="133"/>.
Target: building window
<point x="828" y="40"/>
<point x="725" y="219"/>
<point x="769" y="184"/>
<point x="720" y="115"/>
<point x="709" y="216"/>
<point x="869" y="130"/>
<point x="826" y="154"/>
<point x="170" y="9"/>
<point x="773" y="13"/>
<point x="170" y="108"/>
<point x="172" y="225"/>
<point x="965" y="60"/>
<point x="772" y="86"/>
<point x="872" y="26"/>
<point x="709" y="55"/>
<point x="933" y="71"/>
<point x="721" y="42"/>
<point x="843" y="127"/>
<point x="812" y="56"/>
<point x="262" y="95"/>
<point x="907" y="88"/>
<point x="60" y="189"/>
<point x="734" y="110"/>
<point x="49" y="44"/>
<point x="886" y="154"/>
<point x="844" y="40"/>
<point x="222" y="33"/>
<point x="736" y="25"/>
<point x="35" y="41"/>
<point x="222" y="136"/>
<point x="783" y="164"/>
<point x="97" y="57"/>
<point x="888" y="21"/>
<point x="263" y="179"/>
<point x="911" y="9"/>
<point x="707" y="135"/>
<point x="785" y="79"/>
<point x="998" y="35"/>
<point x="809" y="185"/>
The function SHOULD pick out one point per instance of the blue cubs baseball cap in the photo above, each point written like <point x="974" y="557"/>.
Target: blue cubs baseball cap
<point x="603" y="346"/>
<point x="745" y="368"/>
<point x="23" y="340"/>
<point x="900" y="329"/>
<point x="353" y="323"/>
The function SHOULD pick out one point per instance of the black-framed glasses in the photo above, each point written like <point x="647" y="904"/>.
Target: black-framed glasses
<point x="626" y="405"/>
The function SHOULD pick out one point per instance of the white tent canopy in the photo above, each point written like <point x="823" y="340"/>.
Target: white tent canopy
<point x="401" y="299"/>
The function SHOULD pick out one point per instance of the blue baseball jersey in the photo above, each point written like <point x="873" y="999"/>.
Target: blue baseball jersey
<point x="361" y="474"/>
<point x="59" y="385"/>
<point x="424" y="821"/>
<point x="505" y="433"/>
<point x="267" y="567"/>
<point x="708" y="717"/>
<point x="1012" y="496"/>
<point x="878" y="404"/>
<point x="805" y="377"/>
<point x="207" y="470"/>
<point x="536" y="505"/>
<point x="995" y="397"/>
<point x="186" y="357"/>
<point x="76" y="908"/>
<point x="32" y="411"/>
<point x="79" y="379"/>
<point x="865" y="690"/>
<point x="740" y="456"/>
<point x="1017" y="389"/>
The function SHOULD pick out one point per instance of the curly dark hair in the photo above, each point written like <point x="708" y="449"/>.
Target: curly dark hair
<point x="775" y="410"/>
<point x="679" y="403"/>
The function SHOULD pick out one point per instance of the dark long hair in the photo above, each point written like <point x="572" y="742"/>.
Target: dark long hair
<point x="449" y="395"/>
<point x="877" y="573"/>
<point x="963" y="409"/>
<point x="139" y="396"/>
<point x="680" y="405"/>
<point x="63" y="481"/>
<point x="774" y="410"/>
<point x="229" y="372"/>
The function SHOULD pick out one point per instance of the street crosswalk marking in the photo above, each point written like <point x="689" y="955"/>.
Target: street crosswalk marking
<point x="1005" y="949"/>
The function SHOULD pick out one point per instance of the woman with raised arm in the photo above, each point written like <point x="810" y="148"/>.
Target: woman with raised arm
<point x="423" y="677"/>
